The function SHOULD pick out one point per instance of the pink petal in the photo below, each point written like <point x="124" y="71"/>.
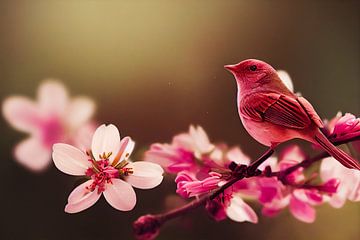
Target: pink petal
<point x="106" y="139"/>
<point x="285" y="78"/>
<point x="70" y="160"/>
<point x="53" y="97"/>
<point x="120" y="195"/>
<point x="22" y="114"/>
<point x="240" y="211"/>
<point x="270" y="212"/>
<point x="338" y="200"/>
<point x="81" y="198"/>
<point x="146" y="175"/>
<point x="79" y="112"/>
<point x="302" y="210"/>
<point x="126" y="148"/>
<point x="292" y="153"/>
<point x="33" y="154"/>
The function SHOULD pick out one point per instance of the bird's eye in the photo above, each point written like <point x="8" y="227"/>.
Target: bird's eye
<point x="253" y="68"/>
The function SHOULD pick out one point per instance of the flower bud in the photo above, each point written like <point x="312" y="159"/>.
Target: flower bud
<point x="146" y="227"/>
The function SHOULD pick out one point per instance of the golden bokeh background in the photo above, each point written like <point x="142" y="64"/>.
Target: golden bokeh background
<point x="154" y="68"/>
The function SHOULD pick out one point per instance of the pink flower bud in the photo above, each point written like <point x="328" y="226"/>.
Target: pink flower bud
<point x="146" y="227"/>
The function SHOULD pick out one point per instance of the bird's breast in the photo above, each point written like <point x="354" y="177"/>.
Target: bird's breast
<point x="267" y="133"/>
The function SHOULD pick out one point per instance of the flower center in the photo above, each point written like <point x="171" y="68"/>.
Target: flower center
<point x="102" y="172"/>
<point x="52" y="131"/>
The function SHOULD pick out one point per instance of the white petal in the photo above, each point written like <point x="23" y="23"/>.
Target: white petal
<point x="33" y="154"/>
<point x="120" y="195"/>
<point x="22" y="113"/>
<point x="201" y="140"/>
<point x="146" y="175"/>
<point x="236" y="155"/>
<point x="53" y="97"/>
<point x="70" y="160"/>
<point x="81" y="198"/>
<point x="285" y="78"/>
<point x="79" y="111"/>
<point x="106" y="139"/>
<point x="240" y="211"/>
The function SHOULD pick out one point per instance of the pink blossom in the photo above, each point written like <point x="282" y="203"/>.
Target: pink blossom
<point x="193" y="152"/>
<point x="239" y="211"/>
<point x="189" y="186"/>
<point x="231" y="204"/>
<point x="183" y="153"/>
<point x="108" y="170"/>
<point x="196" y="141"/>
<point x="349" y="182"/>
<point x="54" y="117"/>
<point x="171" y="158"/>
<point x="301" y="199"/>
<point x="342" y="125"/>
<point x="346" y="124"/>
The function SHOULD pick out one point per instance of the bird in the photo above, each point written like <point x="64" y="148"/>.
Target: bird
<point x="272" y="114"/>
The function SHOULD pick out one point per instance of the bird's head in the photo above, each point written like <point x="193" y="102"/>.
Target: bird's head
<point x="252" y="73"/>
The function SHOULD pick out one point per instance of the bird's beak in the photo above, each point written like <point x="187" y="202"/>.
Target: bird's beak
<point x="231" y="68"/>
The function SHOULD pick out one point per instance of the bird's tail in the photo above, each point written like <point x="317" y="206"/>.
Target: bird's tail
<point x="337" y="153"/>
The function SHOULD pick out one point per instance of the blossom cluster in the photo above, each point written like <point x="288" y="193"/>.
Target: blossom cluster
<point x="201" y="167"/>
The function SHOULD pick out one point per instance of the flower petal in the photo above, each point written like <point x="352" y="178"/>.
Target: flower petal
<point x="33" y="154"/>
<point x="285" y="78"/>
<point x="53" y="97"/>
<point x="236" y="155"/>
<point x="22" y="113"/>
<point x="81" y="198"/>
<point x="302" y="210"/>
<point x="201" y="139"/>
<point x="79" y="111"/>
<point x="70" y="160"/>
<point x="120" y="195"/>
<point x="240" y="211"/>
<point x="125" y="150"/>
<point x="146" y="175"/>
<point x="106" y="139"/>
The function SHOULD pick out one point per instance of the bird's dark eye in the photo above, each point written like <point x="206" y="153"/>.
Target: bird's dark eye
<point x="253" y="68"/>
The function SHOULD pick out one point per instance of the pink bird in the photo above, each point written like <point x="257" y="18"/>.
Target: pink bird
<point x="272" y="114"/>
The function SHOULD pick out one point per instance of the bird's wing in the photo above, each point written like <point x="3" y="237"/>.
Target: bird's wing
<point x="311" y="111"/>
<point x="276" y="108"/>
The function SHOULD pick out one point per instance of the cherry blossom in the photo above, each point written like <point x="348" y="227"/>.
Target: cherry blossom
<point x="230" y="203"/>
<point x="297" y="194"/>
<point x="109" y="171"/>
<point x="53" y="117"/>
<point x="184" y="153"/>
<point x="349" y="182"/>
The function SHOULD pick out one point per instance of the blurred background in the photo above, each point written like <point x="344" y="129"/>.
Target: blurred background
<point x="154" y="68"/>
